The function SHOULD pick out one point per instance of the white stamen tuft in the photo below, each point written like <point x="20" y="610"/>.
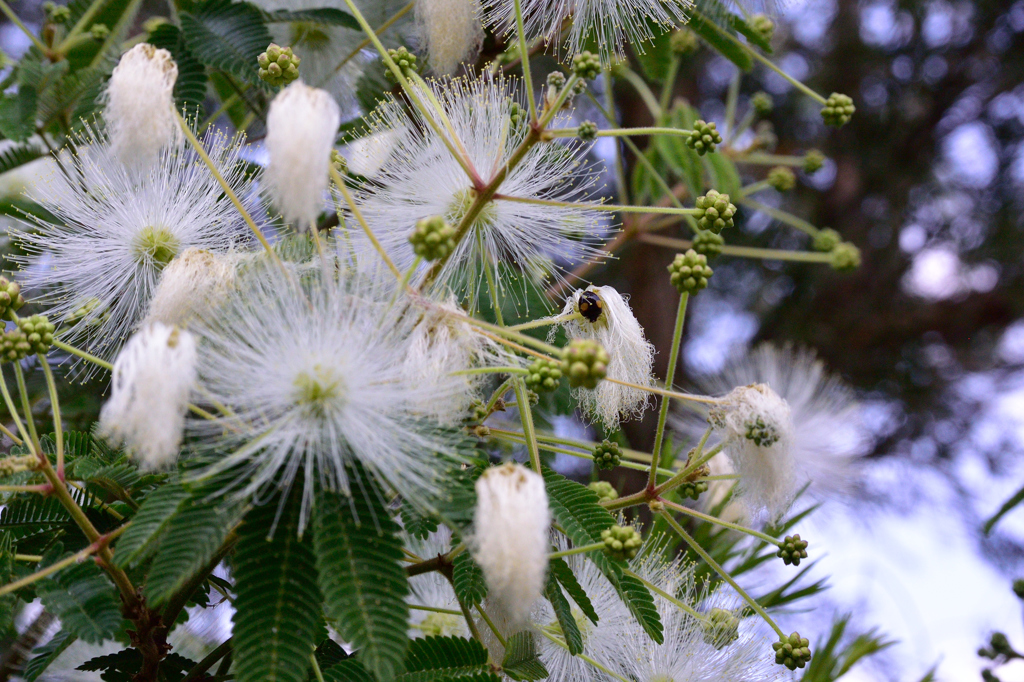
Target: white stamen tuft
<point x="301" y="126"/>
<point x="510" y="538"/>
<point x="140" y="106"/>
<point x="451" y="30"/>
<point x="194" y="281"/>
<point x="153" y="376"/>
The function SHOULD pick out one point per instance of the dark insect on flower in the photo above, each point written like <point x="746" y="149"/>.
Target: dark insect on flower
<point x="590" y="305"/>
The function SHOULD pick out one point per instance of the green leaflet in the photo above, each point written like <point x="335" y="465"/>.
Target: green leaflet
<point x="18" y="113"/>
<point x="521" y="662"/>
<point x="348" y="670"/>
<point x="468" y="580"/>
<point x="416" y="524"/>
<point x="18" y="155"/>
<point x="328" y="16"/>
<point x="563" y="612"/>
<point x="277" y="610"/>
<point x="559" y="569"/>
<point x="713" y="36"/>
<point x="437" y="659"/>
<point x="84" y="600"/>
<point x="228" y="36"/>
<point x="358" y="555"/>
<point x="44" y="655"/>
<point x="123" y="666"/>
<point x="190" y="88"/>
<point x="149" y="524"/>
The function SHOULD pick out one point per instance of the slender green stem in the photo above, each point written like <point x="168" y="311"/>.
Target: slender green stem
<point x="510" y="334"/>
<point x="28" y="558"/>
<point x="730" y="101"/>
<point x="683" y="475"/>
<point x="670" y="373"/>
<point x="754" y="188"/>
<point x="89" y="357"/>
<point x="58" y="427"/>
<point x="670" y="82"/>
<point x="526" y="415"/>
<point x="743" y="251"/>
<point x="496" y="396"/>
<point x="6" y="9"/>
<point x="642" y="89"/>
<point x="117" y="31"/>
<point x="745" y="123"/>
<point x="707" y="400"/>
<point x="84" y="20"/>
<point x="225" y="105"/>
<point x="491" y="625"/>
<point x="770" y="160"/>
<point x="781" y="216"/>
<point x="407" y="275"/>
<point x="719" y="522"/>
<point x="491" y="288"/>
<point x="519" y="439"/>
<point x="695" y="546"/>
<point x="584" y="657"/>
<point x="94" y="546"/>
<point x="7" y="432"/>
<point x="583" y="445"/>
<point x="612" y="208"/>
<point x="316" y="668"/>
<point x="196" y="673"/>
<point x="19" y="376"/>
<point x="12" y="409"/>
<point x="525" y="59"/>
<point x="563" y="96"/>
<point x="471" y="624"/>
<point x="657" y="590"/>
<point x="576" y="550"/>
<point x="366" y="42"/>
<point x="339" y="182"/>
<point x="622" y="132"/>
<point x="434" y="609"/>
<point x="545" y="321"/>
<point x="491" y="370"/>
<point x="44" y="489"/>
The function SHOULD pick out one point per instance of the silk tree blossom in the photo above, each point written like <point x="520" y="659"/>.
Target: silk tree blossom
<point x="153" y="376"/>
<point x="309" y="372"/>
<point x="195" y="280"/>
<point x="510" y="539"/>
<point x="433" y="590"/>
<point x="608" y="319"/>
<point x="422" y="179"/>
<point x="609" y="23"/>
<point x="100" y="261"/>
<point x="139" y="106"/>
<point x="451" y="30"/>
<point x="301" y="126"/>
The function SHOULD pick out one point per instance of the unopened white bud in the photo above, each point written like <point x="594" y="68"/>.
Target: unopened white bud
<point x="510" y="538"/>
<point x="194" y="281"/>
<point x="153" y="376"/>
<point x="452" y="31"/>
<point x="140" y="106"/>
<point x="301" y="126"/>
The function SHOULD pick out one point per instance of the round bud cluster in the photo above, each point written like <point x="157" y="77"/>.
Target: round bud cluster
<point x="556" y="80"/>
<point x="792" y="550"/>
<point x="586" y="65"/>
<point x="11" y="299"/>
<point x="845" y="257"/>
<point x="339" y="162"/>
<point x="99" y="32"/>
<point x="721" y="628"/>
<point x="405" y="60"/>
<point x="433" y="238"/>
<point x="532" y="397"/>
<point x="14" y="346"/>
<point x="998" y="645"/>
<point x="585" y="362"/>
<point x="763" y="435"/>
<point x="544" y="375"/>
<point x="278" y="65"/>
<point x="693" y="490"/>
<point x="38" y="332"/>
<point x="838" y="109"/>
<point x="683" y="41"/>
<point x="703" y="138"/>
<point x="714" y="212"/>
<point x="826" y="239"/>
<point x="793" y="651"/>
<point x="763" y="25"/>
<point x="607" y="454"/>
<point x="605" y="491"/>
<point x="813" y="161"/>
<point x="1018" y="588"/>
<point x="762" y="103"/>
<point x="587" y="131"/>
<point x="708" y="243"/>
<point x="689" y="272"/>
<point x="622" y="542"/>
<point x="18" y="463"/>
<point x="516" y="113"/>
<point x="781" y="178"/>
<point x="58" y="14"/>
<point x="478" y="412"/>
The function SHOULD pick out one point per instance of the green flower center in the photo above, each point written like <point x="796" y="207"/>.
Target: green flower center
<point x="462" y="202"/>
<point x="318" y="391"/>
<point x="155" y="245"/>
<point x="440" y="625"/>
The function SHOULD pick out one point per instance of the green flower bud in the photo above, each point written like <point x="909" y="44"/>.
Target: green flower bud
<point x="813" y="161"/>
<point x="587" y="131"/>
<point x="586" y="65"/>
<point x="693" y="490"/>
<point x="792" y="550"/>
<point x="826" y="240"/>
<point x="405" y="60"/>
<point x="1018" y="588"/>
<point x="14" y="346"/>
<point x="516" y="113"/>
<point x="714" y="212"/>
<point x="763" y="25"/>
<point x="998" y="647"/>
<point x="989" y="676"/>
<point x="762" y="434"/>
<point x="703" y="138"/>
<point x="708" y="243"/>
<point x="585" y="362"/>
<point x="58" y="14"/>
<point x="99" y="32"/>
<point x="279" y="66"/>
<point x="607" y="454"/>
<point x="838" y="109"/>
<point x="793" y="651"/>
<point x="621" y="542"/>
<point x="11" y="299"/>
<point x="433" y="238"/>
<point x="845" y="257"/>
<point x="721" y="628"/>
<point x="683" y="41"/>
<point x="556" y="80"/>
<point x="38" y="332"/>
<point x="689" y="272"/>
<point x="605" y="490"/>
<point x="544" y="375"/>
<point x="762" y="103"/>
<point x="781" y="178"/>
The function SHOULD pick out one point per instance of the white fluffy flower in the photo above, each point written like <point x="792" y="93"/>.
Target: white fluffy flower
<point x="451" y="30"/>
<point x="607" y="22"/>
<point x="510" y="538"/>
<point x="153" y="376"/>
<point x="421" y="179"/>
<point x="311" y="373"/>
<point x="632" y="355"/>
<point x="99" y="263"/>
<point x="301" y="126"/>
<point x="433" y="590"/>
<point x="195" y="280"/>
<point x="140" y="106"/>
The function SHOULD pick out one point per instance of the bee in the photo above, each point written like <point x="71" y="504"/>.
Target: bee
<point x="590" y="305"/>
